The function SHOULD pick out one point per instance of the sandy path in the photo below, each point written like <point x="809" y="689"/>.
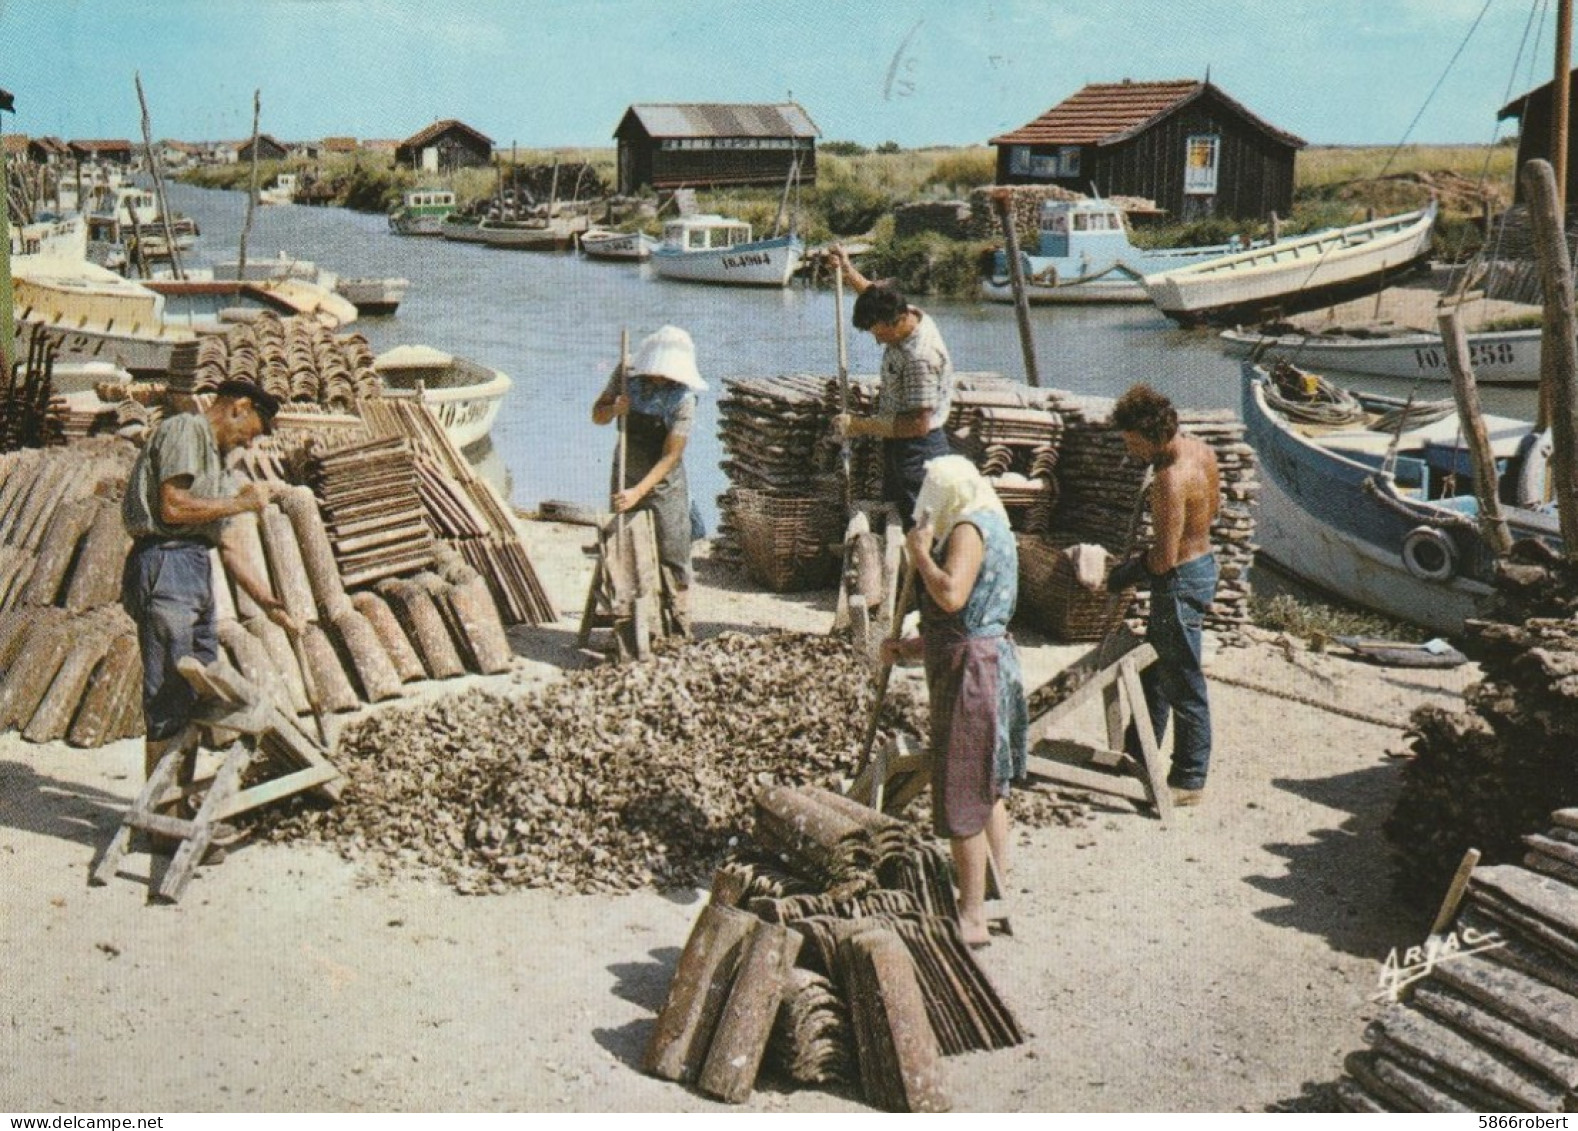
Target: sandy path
<point x="1218" y="964"/>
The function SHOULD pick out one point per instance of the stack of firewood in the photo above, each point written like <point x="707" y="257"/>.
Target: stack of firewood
<point x="885" y="986"/>
<point x="1482" y="775"/>
<point x="1491" y="1023"/>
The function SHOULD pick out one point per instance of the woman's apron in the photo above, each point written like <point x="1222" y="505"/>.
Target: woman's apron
<point x="669" y="500"/>
<point x="962" y="681"/>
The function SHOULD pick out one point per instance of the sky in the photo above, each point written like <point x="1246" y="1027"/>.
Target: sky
<point x="542" y="73"/>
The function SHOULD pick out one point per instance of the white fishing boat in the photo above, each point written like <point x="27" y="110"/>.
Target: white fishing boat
<point x="93" y="314"/>
<point x="464" y="395"/>
<point x="1372" y="499"/>
<point x="421" y="212"/>
<point x="603" y="243"/>
<point x="282" y="191"/>
<point x="1296" y="274"/>
<point x="532" y="233"/>
<point x="209" y="303"/>
<point x="1498" y="357"/>
<point x="1083" y="254"/>
<point x="707" y="248"/>
<point x="370" y="295"/>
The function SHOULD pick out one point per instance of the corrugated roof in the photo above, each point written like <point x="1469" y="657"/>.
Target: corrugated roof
<point x="1106" y="113"/>
<point x="724" y="119"/>
<point x="421" y="138"/>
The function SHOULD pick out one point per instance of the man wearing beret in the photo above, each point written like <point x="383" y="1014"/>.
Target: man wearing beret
<point x="178" y="498"/>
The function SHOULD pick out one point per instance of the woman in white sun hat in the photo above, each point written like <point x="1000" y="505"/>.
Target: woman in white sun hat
<point x="659" y="407"/>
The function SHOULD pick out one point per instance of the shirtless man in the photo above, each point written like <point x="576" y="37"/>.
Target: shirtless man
<point x="1181" y="572"/>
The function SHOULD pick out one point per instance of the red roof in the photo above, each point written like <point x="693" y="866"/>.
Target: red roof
<point x="118" y="145"/>
<point x="1107" y="113"/>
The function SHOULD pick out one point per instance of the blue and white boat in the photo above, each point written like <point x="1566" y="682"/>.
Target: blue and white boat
<point x="1384" y="514"/>
<point x="706" y="248"/>
<point x="1084" y="255"/>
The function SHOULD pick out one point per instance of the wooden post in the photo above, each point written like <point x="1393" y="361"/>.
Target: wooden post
<point x="1560" y="88"/>
<point x="1491" y="521"/>
<point x="624" y="391"/>
<point x="1004" y="200"/>
<point x="843" y="387"/>
<point x="1276" y="228"/>
<point x="158" y="181"/>
<point x="7" y="326"/>
<point x="1558" y="344"/>
<point x="252" y="188"/>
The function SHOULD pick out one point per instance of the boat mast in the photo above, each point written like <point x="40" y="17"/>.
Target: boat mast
<point x="1560" y="92"/>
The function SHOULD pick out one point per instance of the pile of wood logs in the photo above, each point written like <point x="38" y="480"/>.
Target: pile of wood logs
<point x="1491" y="1024"/>
<point x="1482" y="775"/>
<point x="885" y="988"/>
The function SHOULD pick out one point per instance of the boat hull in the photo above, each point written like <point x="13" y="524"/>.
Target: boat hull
<point x="1124" y="291"/>
<point x="1298" y="275"/>
<point x="627" y="247"/>
<point x="373" y="297"/>
<point x="1500" y="357"/>
<point x="761" y="263"/>
<point x="467" y="415"/>
<point x="1331" y="522"/>
<point x="417" y="225"/>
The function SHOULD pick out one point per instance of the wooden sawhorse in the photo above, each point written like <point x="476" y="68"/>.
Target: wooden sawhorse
<point x="228" y="703"/>
<point x="628" y="589"/>
<point x="1111" y="669"/>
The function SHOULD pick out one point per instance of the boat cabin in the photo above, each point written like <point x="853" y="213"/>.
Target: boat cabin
<point x="705" y="233"/>
<point x="1069" y="227"/>
<point x="422" y="202"/>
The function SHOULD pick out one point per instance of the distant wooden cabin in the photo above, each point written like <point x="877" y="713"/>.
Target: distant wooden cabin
<point x="1533" y="113"/>
<point x="269" y="149"/>
<point x="712" y="144"/>
<point x="48" y="150"/>
<point x="443" y="146"/>
<point x="338" y="145"/>
<point x="114" y="151"/>
<point x="1183" y="144"/>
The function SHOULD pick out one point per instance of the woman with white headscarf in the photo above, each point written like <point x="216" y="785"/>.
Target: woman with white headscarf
<point x="968" y="566"/>
<point x="659" y="407"/>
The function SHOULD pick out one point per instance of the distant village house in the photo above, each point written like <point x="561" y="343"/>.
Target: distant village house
<point x="713" y="144"/>
<point x="48" y="150"/>
<point x="111" y="151"/>
<point x="338" y="145"/>
<point x="1183" y="144"/>
<point x="268" y="150"/>
<point x="444" y="146"/>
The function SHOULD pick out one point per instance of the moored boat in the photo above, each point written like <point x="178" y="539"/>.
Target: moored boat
<point x="1498" y="357"/>
<point x="93" y="314"/>
<point x="1297" y="274"/>
<point x="602" y="243"/>
<point x="1083" y="254"/>
<point x="464" y="395"/>
<point x="370" y="295"/>
<point x="1372" y="500"/>
<point x="421" y="212"/>
<point x="707" y="248"/>
<point x="282" y="191"/>
<point x="547" y="233"/>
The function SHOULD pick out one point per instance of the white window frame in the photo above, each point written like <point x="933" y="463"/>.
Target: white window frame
<point x="1200" y="179"/>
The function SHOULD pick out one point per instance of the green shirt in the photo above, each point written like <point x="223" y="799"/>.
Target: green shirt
<point x="180" y="446"/>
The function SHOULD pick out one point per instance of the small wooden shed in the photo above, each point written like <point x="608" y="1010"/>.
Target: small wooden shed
<point x="1182" y="143"/>
<point x="116" y="151"/>
<point x="269" y="149"/>
<point x="711" y="144"/>
<point x="1533" y="111"/>
<point x="445" y="145"/>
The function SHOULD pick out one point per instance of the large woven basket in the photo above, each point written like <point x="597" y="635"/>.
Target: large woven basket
<point x="785" y="539"/>
<point x="1052" y="599"/>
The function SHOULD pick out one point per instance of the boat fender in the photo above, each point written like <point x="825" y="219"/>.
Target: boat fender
<point x="1429" y="554"/>
<point x="1533" y="462"/>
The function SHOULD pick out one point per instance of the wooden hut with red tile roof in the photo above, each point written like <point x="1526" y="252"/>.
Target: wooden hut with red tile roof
<point x="1183" y="144"/>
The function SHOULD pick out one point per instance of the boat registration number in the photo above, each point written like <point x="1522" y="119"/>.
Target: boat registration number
<point x="750" y="259"/>
<point x="1479" y="353"/>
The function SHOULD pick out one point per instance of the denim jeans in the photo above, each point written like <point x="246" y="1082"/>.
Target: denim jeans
<point x="1174" y="685"/>
<point x="904" y="468"/>
<point x="167" y="590"/>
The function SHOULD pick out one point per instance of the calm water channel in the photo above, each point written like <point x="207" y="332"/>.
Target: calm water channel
<point x="552" y="322"/>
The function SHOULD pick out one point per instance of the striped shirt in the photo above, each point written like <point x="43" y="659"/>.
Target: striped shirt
<point x="917" y="373"/>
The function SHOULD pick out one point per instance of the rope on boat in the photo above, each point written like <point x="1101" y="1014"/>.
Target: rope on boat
<point x="1308" y="398"/>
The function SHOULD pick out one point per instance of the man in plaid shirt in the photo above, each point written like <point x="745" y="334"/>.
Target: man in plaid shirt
<point x="916" y="390"/>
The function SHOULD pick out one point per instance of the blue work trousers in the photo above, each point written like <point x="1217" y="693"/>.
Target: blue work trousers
<point x="167" y="589"/>
<point x="1175" y="684"/>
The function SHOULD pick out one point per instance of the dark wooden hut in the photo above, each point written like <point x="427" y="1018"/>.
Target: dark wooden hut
<point x="114" y="151"/>
<point x="1183" y="144"/>
<point x="269" y="149"/>
<point x="712" y="144"/>
<point x="445" y="145"/>
<point x="1533" y="112"/>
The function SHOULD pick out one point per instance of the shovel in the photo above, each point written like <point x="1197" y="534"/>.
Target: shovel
<point x="312" y="690"/>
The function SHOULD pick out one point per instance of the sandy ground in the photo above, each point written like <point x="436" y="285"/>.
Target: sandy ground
<point x="1221" y="963"/>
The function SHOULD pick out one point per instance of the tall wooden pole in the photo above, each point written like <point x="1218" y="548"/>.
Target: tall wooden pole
<point x="158" y="181"/>
<point x="7" y="299"/>
<point x="1004" y="201"/>
<point x="1560" y="99"/>
<point x="1559" y="342"/>
<point x="843" y="387"/>
<point x="1466" y="392"/>
<point x="252" y="187"/>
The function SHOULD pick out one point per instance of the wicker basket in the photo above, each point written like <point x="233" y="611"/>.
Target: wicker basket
<point x="1052" y="599"/>
<point x="785" y="539"/>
